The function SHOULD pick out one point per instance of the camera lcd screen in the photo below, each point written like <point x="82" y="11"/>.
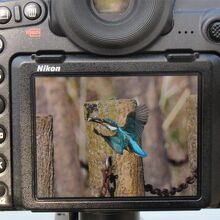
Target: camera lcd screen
<point x="116" y="136"/>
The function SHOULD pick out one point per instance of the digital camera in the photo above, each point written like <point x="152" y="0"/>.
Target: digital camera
<point x="109" y="105"/>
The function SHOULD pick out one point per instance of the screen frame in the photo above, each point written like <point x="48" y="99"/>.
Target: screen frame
<point x="23" y="70"/>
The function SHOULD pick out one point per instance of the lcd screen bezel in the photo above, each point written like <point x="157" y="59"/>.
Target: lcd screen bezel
<point x="142" y="74"/>
<point x="22" y="91"/>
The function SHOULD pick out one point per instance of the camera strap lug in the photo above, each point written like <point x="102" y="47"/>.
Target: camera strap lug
<point x="182" y="57"/>
<point x="55" y="58"/>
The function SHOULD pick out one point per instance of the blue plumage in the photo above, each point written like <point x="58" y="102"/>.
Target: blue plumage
<point x="126" y="137"/>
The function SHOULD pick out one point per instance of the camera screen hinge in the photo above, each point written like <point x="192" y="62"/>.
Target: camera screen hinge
<point x="182" y="57"/>
<point x="55" y="58"/>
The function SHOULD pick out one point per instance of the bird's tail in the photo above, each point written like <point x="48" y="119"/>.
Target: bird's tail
<point x="137" y="149"/>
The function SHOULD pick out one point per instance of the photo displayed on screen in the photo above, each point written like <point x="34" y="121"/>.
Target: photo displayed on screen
<point x="124" y="136"/>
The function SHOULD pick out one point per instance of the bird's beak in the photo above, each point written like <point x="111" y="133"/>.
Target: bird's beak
<point x="97" y="120"/>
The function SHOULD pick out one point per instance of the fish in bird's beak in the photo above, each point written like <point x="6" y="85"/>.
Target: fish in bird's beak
<point x="97" y="120"/>
<point x="102" y="122"/>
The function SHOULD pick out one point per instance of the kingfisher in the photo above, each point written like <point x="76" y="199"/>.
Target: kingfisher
<point x="126" y="137"/>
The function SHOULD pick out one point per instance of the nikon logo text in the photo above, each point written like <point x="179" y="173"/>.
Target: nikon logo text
<point x="47" y="68"/>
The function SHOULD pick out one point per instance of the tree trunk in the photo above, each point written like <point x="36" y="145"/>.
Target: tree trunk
<point x="126" y="171"/>
<point x="52" y="98"/>
<point x="45" y="157"/>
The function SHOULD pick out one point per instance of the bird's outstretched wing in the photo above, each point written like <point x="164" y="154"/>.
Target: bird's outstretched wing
<point x="136" y="121"/>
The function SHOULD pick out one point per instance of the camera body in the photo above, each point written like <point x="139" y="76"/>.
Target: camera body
<point x="57" y="39"/>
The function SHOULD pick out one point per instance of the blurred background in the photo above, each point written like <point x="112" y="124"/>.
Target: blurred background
<point x="172" y="103"/>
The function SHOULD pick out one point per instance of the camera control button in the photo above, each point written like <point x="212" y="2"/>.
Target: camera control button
<point x="3" y="164"/>
<point x="32" y="11"/>
<point x="5" y="15"/>
<point x="2" y="104"/>
<point x="17" y="13"/>
<point x="1" y="45"/>
<point x="214" y="31"/>
<point x="2" y="75"/>
<point x="2" y="134"/>
<point x="2" y="189"/>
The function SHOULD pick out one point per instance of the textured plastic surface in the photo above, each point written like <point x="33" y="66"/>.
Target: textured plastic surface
<point x="214" y="31"/>
<point x="82" y="26"/>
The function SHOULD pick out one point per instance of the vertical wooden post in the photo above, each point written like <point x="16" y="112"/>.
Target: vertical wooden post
<point x="127" y="168"/>
<point x="45" y="156"/>
<point x="192" y="137"/>
<point x="52" y="99"/>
